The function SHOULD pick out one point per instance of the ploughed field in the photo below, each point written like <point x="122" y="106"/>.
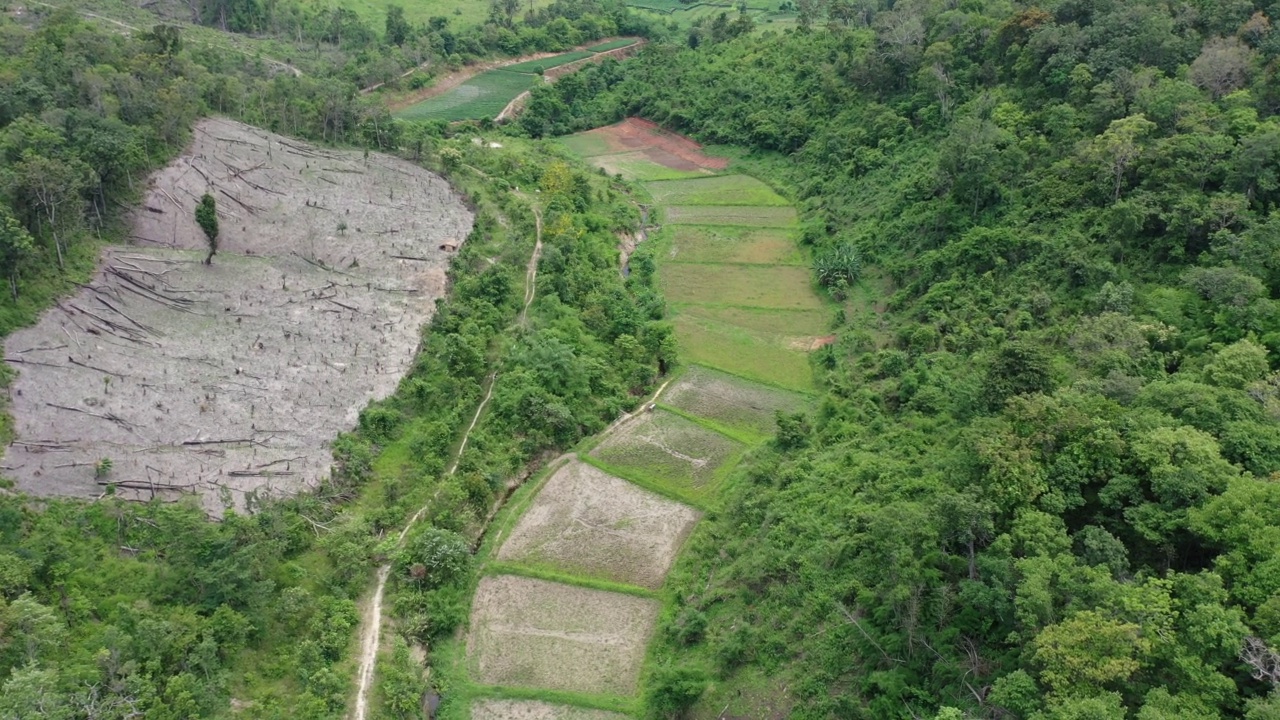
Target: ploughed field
<point x="231" y="379"/>
<point x="574" y="572"/>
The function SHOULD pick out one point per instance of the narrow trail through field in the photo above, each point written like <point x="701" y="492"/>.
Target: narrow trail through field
<point x="371" y="623"/>
<point x="531" y="273"/>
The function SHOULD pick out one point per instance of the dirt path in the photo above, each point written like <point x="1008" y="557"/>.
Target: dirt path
<point x="531" y="273"/>
<point x="371" y="635"/>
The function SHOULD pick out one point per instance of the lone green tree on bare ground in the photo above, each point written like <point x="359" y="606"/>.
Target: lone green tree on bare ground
<point x="207" y="219"/>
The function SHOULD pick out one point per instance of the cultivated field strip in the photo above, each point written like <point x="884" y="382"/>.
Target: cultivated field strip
<point x="487" y="94"/>
<point x="570" y="595"/>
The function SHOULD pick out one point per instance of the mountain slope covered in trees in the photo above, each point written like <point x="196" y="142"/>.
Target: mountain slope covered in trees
<point x="1044" y="479"/>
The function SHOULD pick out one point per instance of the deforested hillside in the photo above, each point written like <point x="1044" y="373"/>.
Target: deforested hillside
<point x="229" y="376"/>
<point x="1041" y="480"/>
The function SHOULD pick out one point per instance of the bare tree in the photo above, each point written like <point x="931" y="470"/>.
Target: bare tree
<point x="1223" y="66"/>
<point x="1263" y="662"/>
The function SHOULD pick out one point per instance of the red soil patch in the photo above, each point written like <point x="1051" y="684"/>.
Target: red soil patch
<point x="661" y="146"/>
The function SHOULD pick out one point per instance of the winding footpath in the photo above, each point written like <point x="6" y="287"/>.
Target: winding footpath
<point x="371" y="622"/>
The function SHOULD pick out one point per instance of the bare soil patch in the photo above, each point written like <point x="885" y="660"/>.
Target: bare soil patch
<point x="588" y="522"/>
<point x="731" y="400"/>
<point x="233" y="378"/>
<point x="635" y="134"/>
<point x="535" y="710"/>
<point x="539" y="634"/>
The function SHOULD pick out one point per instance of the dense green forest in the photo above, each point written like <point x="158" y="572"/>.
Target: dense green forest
<point x="116" y="610"/>
<point x="1044" y="477"/>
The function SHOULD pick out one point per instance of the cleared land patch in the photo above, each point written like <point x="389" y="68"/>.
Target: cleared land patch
<point x="661" y="447"/>
<point x="233" y="378"/>
<point x="585" y="521"/>
<point x="718" y="190"/>
<point x="709" y="244"/>
<point x="759" y="286"/>
<point x="535" y="710"/>
<point x="538" y="634"/>
<point x="750" y="216"/>
<point x="731" y="400"/>
<point x="638" y="135"/>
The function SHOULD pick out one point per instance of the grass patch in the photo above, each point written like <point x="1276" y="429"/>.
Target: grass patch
<point x="613" y="45"/>
<point x="756" y="286"/>
<point x="749" y="216"/>
<point x="539" y="571"/>
<point x="670" y="451"/>
<point x="482" y="96"/>
<point x="731" y="401"/>
<point x="718" y="190"/>
<point x="710" y="244"/>
<point x="537" y="66"/>
<point x="741" y="352"/>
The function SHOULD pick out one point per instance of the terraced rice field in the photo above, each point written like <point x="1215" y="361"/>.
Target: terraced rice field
<point x="728" y="401"/>
<point x="670" y="453"/>
<point x="589" y="523"/>
<point x="729" y="244"/>
<point x="573" y="584"/>
<point x="738" y="285"/>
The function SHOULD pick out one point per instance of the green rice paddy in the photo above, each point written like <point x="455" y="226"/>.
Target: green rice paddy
<point x="739" y="287"/>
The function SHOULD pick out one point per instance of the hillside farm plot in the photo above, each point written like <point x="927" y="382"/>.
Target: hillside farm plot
<point x="638" y="145"/>
<point x="789" y="328"/>
<point x="718" y="190"/>
<point x="234" y="377"/>
<point x="535" y="67"/>
<point x="538" y="634"/>
<point x="651" y="164"/>
<point x="747" y="215"/>
<point x="762" y="286"/>
<point x="759" y="356"/>
<point x="483" y="96"/>
<point x="731" y="400"/>
<point x="680" y="455"/>
<point x="613" y="44"/>
<point x="535" y="710"/>
<point x="587" y="522"/>
<point x="710" y="244"/>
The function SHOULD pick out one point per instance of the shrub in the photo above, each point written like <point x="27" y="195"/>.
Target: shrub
<point x="433" y="557"/>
